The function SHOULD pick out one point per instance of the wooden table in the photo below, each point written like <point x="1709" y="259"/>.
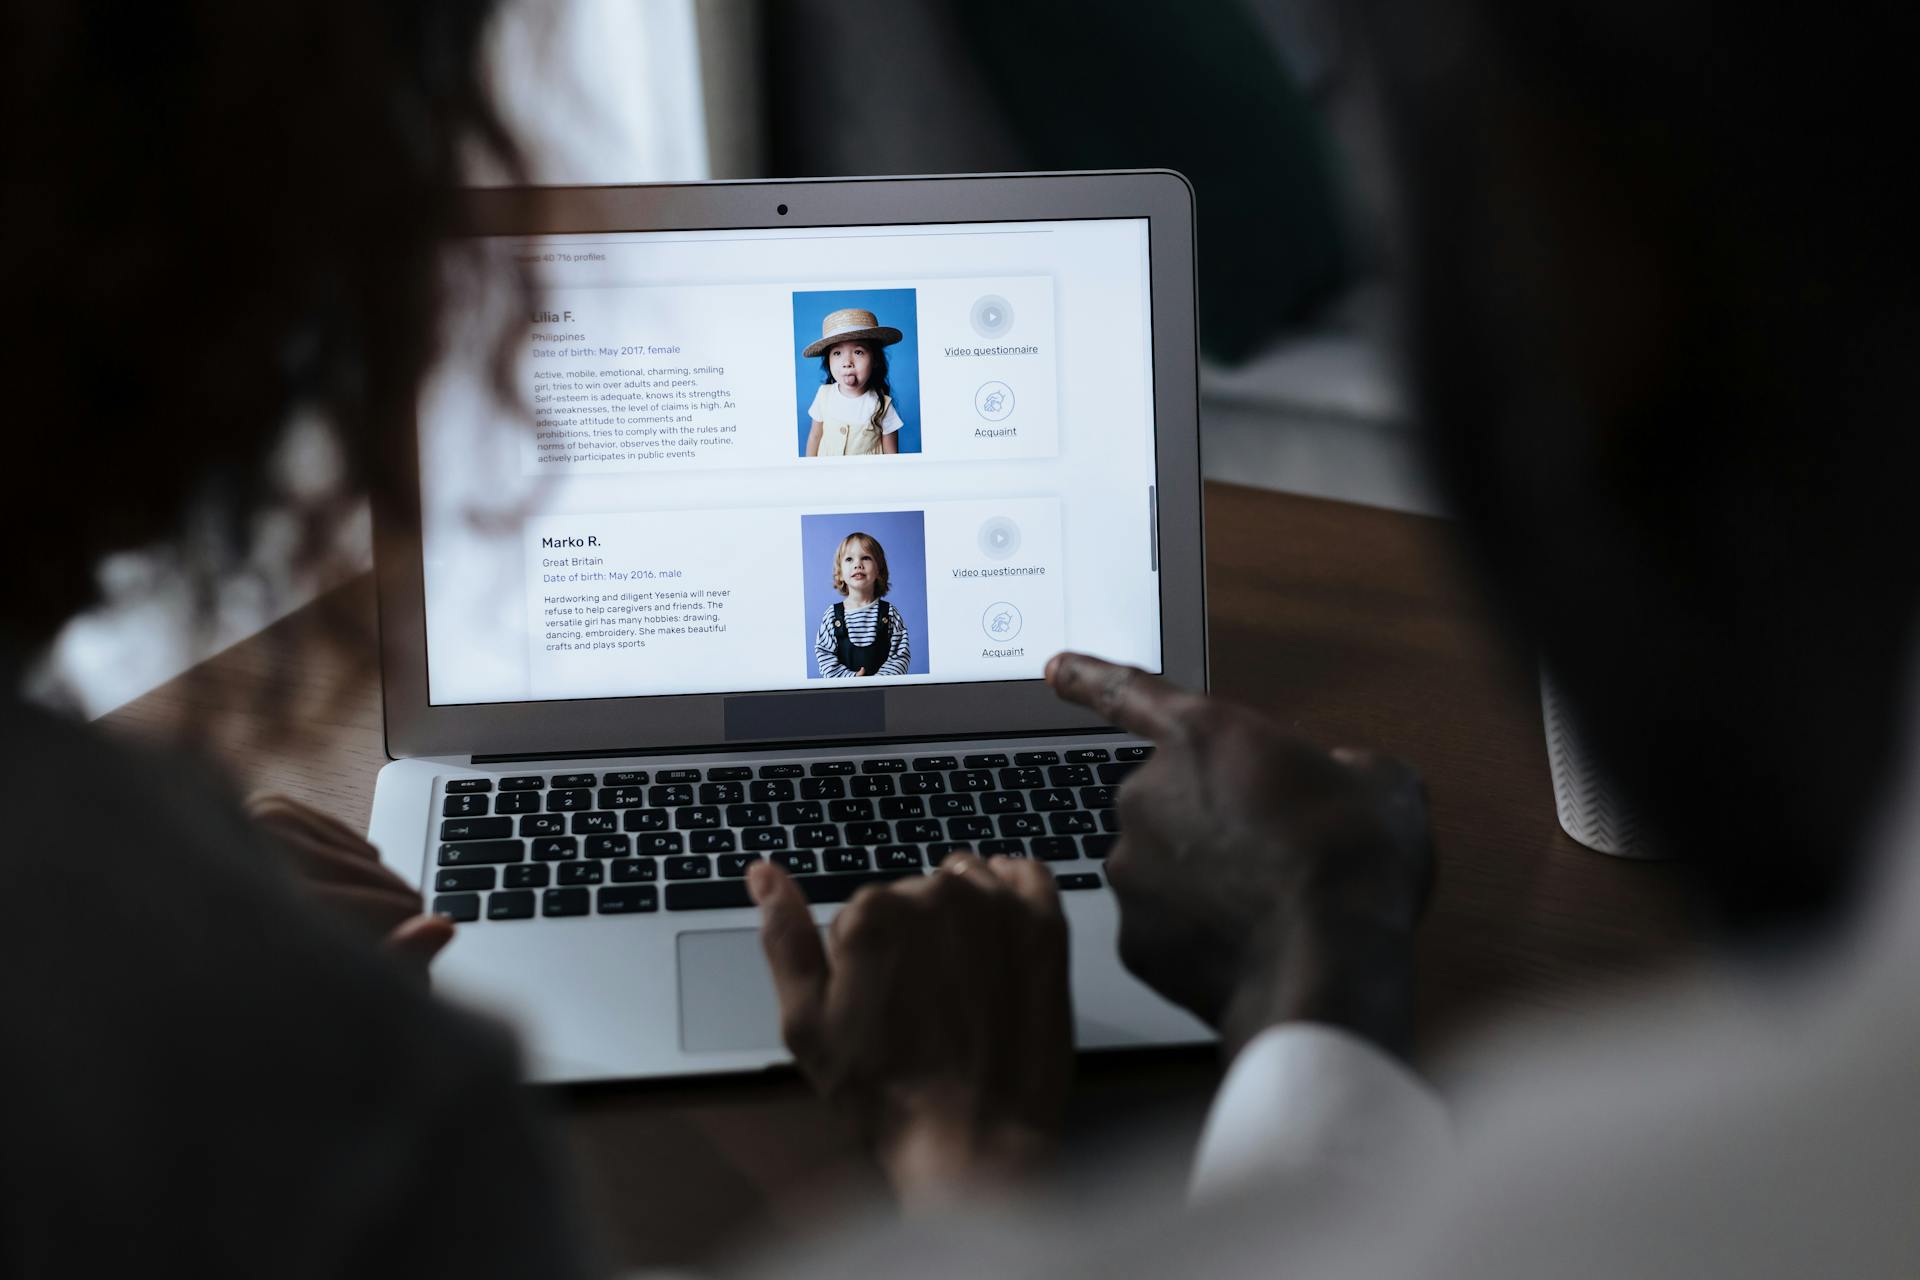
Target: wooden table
<point x="1353" y="625"/>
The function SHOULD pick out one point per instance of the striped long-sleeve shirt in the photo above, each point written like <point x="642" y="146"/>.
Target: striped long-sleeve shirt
<point x="861" y="625"/>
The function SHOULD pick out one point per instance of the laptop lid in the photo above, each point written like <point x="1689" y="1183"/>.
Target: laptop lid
<point x="797" y="462"/>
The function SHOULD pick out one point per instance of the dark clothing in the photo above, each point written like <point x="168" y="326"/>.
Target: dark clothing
<point x="203" y="1076"/>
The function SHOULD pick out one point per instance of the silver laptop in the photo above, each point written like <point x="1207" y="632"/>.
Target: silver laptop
<point x="758" y="549"/>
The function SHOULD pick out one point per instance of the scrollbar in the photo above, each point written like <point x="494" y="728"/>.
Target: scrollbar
<point x="1153" y="529"/>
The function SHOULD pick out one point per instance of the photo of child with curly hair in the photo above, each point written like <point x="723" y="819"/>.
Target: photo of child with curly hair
<point x="861" y="635"/>
<point x="853" y="411"/>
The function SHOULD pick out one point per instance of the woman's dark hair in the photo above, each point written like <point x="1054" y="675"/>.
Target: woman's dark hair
<point x="222" y="216"/>
<point x="876" y="377"/>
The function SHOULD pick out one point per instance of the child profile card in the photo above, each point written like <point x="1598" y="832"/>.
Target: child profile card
<point x="708" y="601"/>
<point x="645" y="378"/>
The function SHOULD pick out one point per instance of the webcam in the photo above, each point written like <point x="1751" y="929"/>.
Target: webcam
<point x="781" y="209"/>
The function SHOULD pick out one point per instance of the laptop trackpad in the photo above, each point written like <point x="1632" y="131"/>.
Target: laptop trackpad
<point x="726" y="994"/>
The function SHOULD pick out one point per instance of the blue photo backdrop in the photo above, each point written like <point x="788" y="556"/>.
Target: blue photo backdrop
<point x="893" y="307"/>
<point x="903" y="536"/>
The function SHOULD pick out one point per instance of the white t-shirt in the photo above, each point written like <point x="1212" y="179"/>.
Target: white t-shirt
<point x="834" y="409"/>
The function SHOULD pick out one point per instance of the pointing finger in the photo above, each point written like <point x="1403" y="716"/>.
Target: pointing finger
<point x="1124" y="696"/>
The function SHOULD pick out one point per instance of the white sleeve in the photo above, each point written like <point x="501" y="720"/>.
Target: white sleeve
<point x="814" y="411"/>
<point x="1304" y="1098"/>
<point x="891" y="422"/>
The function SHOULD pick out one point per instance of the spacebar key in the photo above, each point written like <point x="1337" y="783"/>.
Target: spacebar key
<point x="710" y="895"/>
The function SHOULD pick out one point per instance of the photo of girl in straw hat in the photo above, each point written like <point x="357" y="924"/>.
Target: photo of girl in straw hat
<point x="860" y="400"/>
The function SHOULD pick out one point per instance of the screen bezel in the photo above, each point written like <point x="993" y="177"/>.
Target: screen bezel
<point x="589" y="726"/>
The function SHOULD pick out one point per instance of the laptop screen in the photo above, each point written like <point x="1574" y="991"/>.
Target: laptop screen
<point x="796" y="459"/>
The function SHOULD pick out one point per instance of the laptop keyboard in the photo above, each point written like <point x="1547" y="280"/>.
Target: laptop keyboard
<point x="521" y="846"/>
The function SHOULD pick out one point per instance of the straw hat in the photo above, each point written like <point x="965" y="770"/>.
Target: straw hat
<point x="851" y="325"/>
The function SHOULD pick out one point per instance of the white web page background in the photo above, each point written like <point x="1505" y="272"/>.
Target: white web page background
<point x="484" y="515"/>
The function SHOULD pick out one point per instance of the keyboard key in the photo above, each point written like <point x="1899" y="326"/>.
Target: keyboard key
<point x="735" y="864"/>
<point x="764" y="838"/>
<point x="934" y="764"/>
<point x="794" y="812"/>
<point x="624" y="778"/>
<point x="671" y="796"/>
<point x="1070" y="775"/>
<point x="822" y="788"/>
<point x="565" y="902"/>
<point x="1115" y="774"/>
<point x="676" y="775"/>
<point x="510" y="905"/>
<point x="523" y="782"/>
<point x="711" y="842"/>
<point x="517" y="802"/>
<point x="992" y="760"/>
<point x="868" y="833"/>
<point x="471" y="851"/>
<point x="1023" y="824"/>
<point x="831" y="768"/>
<point x="691" y="866"/>
<point x="1053" y="848"/>
<point x="1002" y="848"/>
<point x="1133" y="753"/>
<point x="582" y="873"/>
<point x="463" y="806"/>
<point x="607" y="847"/>
<point x="696" y="816"/>
<point x="720" y="894"/>
<point x="847" y="860"/>
<point x="1071" y="824"/>
<point x="543" y="824"/>
<point x="646" y="820"/>
<point x="917" y="830"/>
<point x="970" y="780"/>
<point x="897" y="857"/>
<point x="722" y="793"/>
<point x="749" y="815"/>
<point x="1078" y="880"/>
<point x="461" y="786"/>
<point x="922" y="784"/>
<point x="566" y="801"/>
<point x="891" y="765"/>
<point x="627" y="900"/>
<point x="950" y="806"/>
<point x="797" y="862"/>
<point x="1087" y="755"/>
<point x="781" y="771"/>
<point x="632" y="870"/>
<point x="729" y="773"/>
<point x="937" y="851"/>
<point x="458" y="906"/>
<point x="1024" y="779"/>
<point x="1003" y="802"/>
<point x="875" y="785"/>
<point x="658" y="844"/>
<point x="561" y="780"/>
<point x="622" y="797"/>
<point x="969" y="828"/>
<point x="1036" y="757"/>
<point x="816" y="836"/>
<point x="772" y="790"/>
<point x="528" y="875"/>
<point x="1096" y="797"/>
<point x="593" y="824"/>
<point x="1109" y="819"/>
<point x="1055" y="798"/>
<point x="475" y="828"/>
<point x="1098" y="846"/>
<point x="462" y="879"/>
<point x="555" y="848"/>
<point x="892" y="807"/>
<point x="850" y="811"/>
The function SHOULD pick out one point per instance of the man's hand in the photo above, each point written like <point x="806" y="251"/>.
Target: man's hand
<point x="1260" y="878"/>
<point x="343" y="872"/>
<point x="937" y="1012"/>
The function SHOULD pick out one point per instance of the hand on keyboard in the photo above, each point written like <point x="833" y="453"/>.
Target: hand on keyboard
<point x="937" y="1011"/>
<point x="1261" y="879"/>
<point x="343" y="872"/>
